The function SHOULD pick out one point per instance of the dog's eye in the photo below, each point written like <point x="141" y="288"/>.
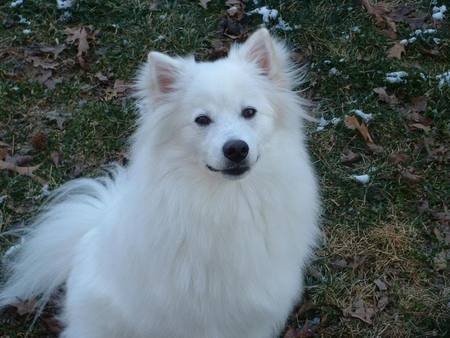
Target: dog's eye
<point x="248" y="112"/>
<point x="203" y="120"/>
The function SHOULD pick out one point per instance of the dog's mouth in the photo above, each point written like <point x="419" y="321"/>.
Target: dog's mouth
<point x="231" y="171"/>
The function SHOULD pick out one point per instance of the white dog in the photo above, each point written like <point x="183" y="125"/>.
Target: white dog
<point x="206" y="233"/>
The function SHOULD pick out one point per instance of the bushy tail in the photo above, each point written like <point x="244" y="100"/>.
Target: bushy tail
<point x="43" y="261"/>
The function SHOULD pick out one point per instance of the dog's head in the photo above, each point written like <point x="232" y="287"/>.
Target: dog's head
<point x="217" y="116"/>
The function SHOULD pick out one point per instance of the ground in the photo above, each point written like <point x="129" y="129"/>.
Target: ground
<point x="382" y="269"/>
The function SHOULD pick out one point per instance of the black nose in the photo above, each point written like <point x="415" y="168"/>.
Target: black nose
<point x="235" y="150"/>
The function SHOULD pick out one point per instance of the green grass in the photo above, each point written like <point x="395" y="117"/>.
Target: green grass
<point x="374" y="230"/>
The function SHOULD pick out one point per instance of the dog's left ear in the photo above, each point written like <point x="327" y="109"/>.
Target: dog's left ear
<point x="270" y="56"/>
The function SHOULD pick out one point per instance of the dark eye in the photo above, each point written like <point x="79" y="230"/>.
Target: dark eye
<point x="248" y="112"/>
<point x="203" y="120"/>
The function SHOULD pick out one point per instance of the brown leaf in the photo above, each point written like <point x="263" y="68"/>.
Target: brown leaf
<point x="380" y="284"/>
<point x="79" y="36"/>
<point x="410" y="176"/>
<point x="380" y="12"/>
<point x="361" y="311"/>
<point x="56" y="157"/>
<point x="352" y="123"/>
<point x="39" y="141"/>
<point x="398" y="158"/>
<point x="396" y="51"/>
<point x="25" y="171"/>
<point x="25" y="307"/>
<point x="204" y="3"/>
<point x="382" y="303"/>
<point x="349" y="157"/>
<point x="419" y="104"/>
<point x="420" y="126"/>
<point x="385" y="97"/>
<point x="19" y="160"/>
<point x="38" y="62"/>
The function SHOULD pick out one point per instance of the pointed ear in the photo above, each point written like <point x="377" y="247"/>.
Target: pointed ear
<point x="259" y="49"/>
<point x="164" y="72"/>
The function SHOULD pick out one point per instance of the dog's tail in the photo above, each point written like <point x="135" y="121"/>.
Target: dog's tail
<point x="43" y="261"/>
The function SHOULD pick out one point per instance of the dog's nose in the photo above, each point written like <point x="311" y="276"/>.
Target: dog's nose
<point x="235" y="150"/>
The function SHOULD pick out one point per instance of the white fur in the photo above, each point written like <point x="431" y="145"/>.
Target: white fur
<point x="169" y="248"/>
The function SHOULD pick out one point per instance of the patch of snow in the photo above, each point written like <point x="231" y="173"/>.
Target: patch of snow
<point x="323" y="122"/>
<point x="24" y="21"/>
<point x="333" y="72"/>
<point x="64" y="4"/>
<point x="439" y="12"/>
<point x="423" y="76"/>
<point x="327" y="62"/>
<point x="266" y="13"/>
<point x="16" y="3"/>
<point x="356" y="29"/>
<point x="26" y="31"/>
<point x="283" y="25"/>
<point x="437" y="41"/>
<point x="364" y="116"/>
<point x="444" y="79"/>
<point x="341" y="60"/>
<point x="3" y="198"/>
<point x="397" y="77"/>
<point x="364" y="179"/>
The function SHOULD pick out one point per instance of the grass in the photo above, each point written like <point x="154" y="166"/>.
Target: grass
<point x="372" y="232"/>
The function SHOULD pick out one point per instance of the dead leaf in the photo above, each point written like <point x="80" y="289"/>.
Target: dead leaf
<point x="19" y="160"/>
<point x="396" y="51"/>
<point x="398" y="158"/>
<point x="204" y="3"/>
<point x="352" y="123"/>
<point x="38" y="62"/>
<point x="360" y="310"/>
<point x="349" y="157"/>
<point x="80" y="36"/>
<point x="420" y="126"/>
<point x="380" y="284"/>
<point x="419" y="104"/>
<point x="25" y="307"/>
<point x="440" y="260"/>
<point x="410" y="176"/>
<point x="382" y="303"/>
<point x="339" y="263"/>
<point x="385" y="97"/>
<point x="39" y="141"/>
<point x="56" y="157"/>
<point x="380" y="12"/>
<point x="101" y="77"/>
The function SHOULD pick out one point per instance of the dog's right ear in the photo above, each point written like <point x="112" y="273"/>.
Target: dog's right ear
<point x="164" y="72"/>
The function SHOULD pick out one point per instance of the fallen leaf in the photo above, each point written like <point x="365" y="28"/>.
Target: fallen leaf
<point x="420" y="126"/>
<point x="382" y="303"/>
<point x="375" y="148"/>
<point x="349" y="157"/>
<point x="380" y="284"/>
<point x="352" y="123"/>
<point x="25" y="307"/>
<point x="101" y="77"/>
<point x="396" y="51"/>
<point x="39" y="62"/>
<point x="398" y="158"/>
<point x="24" y="171"/>
<point x="39" y="141"/>
<point x="440" y="260"/>
<point x="360" y="310"/>
<point x="410" y="176"/>
<point x="79" y="35"/>
<point x="204" y="3"/>
<point x="339" y="263"/>
<point x="419" y="104"/>
<point x="19" y="159"/>
<point x="380" y="12"/>
<point x="385" y="97"/>
<point x="56" y="157"/>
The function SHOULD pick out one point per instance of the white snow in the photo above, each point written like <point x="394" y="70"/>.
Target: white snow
<point x="323" y="122"/>
<point x="269" y="14"/>
<point x="356" y="29"/>
<point x="333" y="72"/>
<point x="439" y="12"/>
<point x="266" y="13"/>
<point x="24" y="21"/>
<point x="16" y="3"/>
<point x="364" y="116"/>
<point x="3" y="198"/>
<point x="444" y="79"/>
<point x="26" y="31"/>
<point x="364" y="179"/>
<point x="64" y="4"/>
<point x="396" y="77"/>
